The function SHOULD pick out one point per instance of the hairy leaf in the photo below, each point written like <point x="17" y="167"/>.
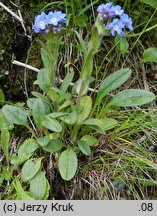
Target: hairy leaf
<point x="132" y="97"/>
<point x="30" y="168"/>
<point x="112" y="82"/>
<point x="38" y="186"/>
<point x="15" y="115"/>
<point x="68" y="164"/>
<point x="150" y="55"/>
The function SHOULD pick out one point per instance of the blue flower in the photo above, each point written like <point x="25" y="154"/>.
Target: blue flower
<point x="119" y="21"/>
<point x="61" y="16"/>
<point x="127" y="21"/>
<point x="104" y="10"/>
<point x="40" y="23"/>
<point x="53" y="18"/>
<point x="56" y="17"/>
<point x="116" y="26"/>
<point x="104" y="7"/>
<point x="116" y="10"/>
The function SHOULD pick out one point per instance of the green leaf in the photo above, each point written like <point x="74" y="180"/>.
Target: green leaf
<point x="84" y="147"/>
<point x="30" y="102"/>
<point x="152" y="3"/>
<point x="38" y="112"/>
<point x="30" y="168"/>
<point x="46" y="58"/>
<point x="4" y="122"/>
<point x="84" y="108"/>
<point x="7" y="174"/>
<point x="81" y="21"/>
<point x="43" y="141"/>
<point x="87" y="67"/>
<point x="64" y="105"/>
<point x="82" y="42"/>
<point x="108" y="123"/>
<point x="21" y="194"/>
<point x="42" y="80"/>
<point x="57" y="114"/>
<point x="52" y="124"/>
<point x="2" y="98"/>
<point x="14" y="159"/>
<point x="5" y="138"/>
<point x="54" y="135"/>
<point x="66" y="82"/>
<point x="96" y="38"/>
<point x="27" y="149"/>
<point x="112" y="82"/>
<point x="42" y="97"/>
<point x="121" y="44"/>
<point x="150" y="55"/>
<point x="15" y="115"/>
<point x="132" y="97"/>
<point x="92" y="141"/>
<point x="38" y="186"/>
<point x="70" y="118"/>
<point x="54" y="145"/>
<point x="68" y="164"/>
<point x="81" y="86"/>
<point x="46" y="196"/>
<point x="47" y="105"/>
<point x="96" y="124"/>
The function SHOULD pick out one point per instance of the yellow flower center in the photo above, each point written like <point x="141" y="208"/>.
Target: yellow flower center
<point x="42" y="23"/>
<point x="53" y="20"/>
<point x="115" y="27"/>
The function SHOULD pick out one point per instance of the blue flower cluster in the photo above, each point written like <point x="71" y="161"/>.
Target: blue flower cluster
<point x="121" y="20"/>
<point x="53" y="20"/>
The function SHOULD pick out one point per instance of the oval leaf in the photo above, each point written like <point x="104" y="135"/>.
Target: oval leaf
<point x="112" y="82"/>
<point x="38" y="186"/>
<point x="15" y="115"/>
<point x="150" y="55"/>
<point x="68" y="164"/>
<point x="90" y="140"/>
<point x="84" y="147"/>
<point x="108" y="123"/>
<point x="52" y="124"/>
<point x="121" y="44"/>
<point x="38" y="112"/>
<point x="95" y="124"/>
<point x="43" y="141"/>
<point x="53" y="146"/>
<point x="132" y="97"/>
<point x="30" y="168"/>
<point x="66" y="82"/>
<point x="27" y="149"/>
<point x="70" y="118"/>
<point x="57" y="114"/>
<point x="4" y="122"/>
<point x="84" y="108"/>
<point x="5" y="138"/>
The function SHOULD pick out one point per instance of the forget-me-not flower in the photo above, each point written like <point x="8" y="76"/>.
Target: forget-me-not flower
<point x="104" y="11"/>
<point x="61" y="16"/>
<point x="53" y="18"/>
<point x="117" y="10"/>
<point x="54" y="21"/>
<point x="40" y="23"/>
<point x="118" y="21"/>
<point x="127" y="21"/>
<point x="116" y="26"/>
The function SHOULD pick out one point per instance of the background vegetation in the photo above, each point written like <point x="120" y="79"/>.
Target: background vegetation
<point x="124" y="163"/>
